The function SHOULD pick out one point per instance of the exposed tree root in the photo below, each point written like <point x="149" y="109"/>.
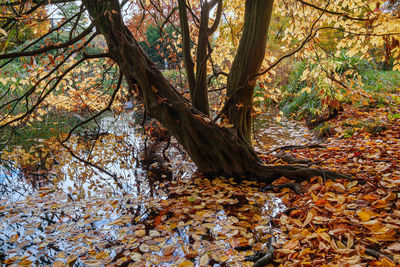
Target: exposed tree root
<point x="284" y="148"/>
<point x="261" y="259"/>
<point x="289" y="158"/>
<point x="297" y="172"/>
<point x="294" y="186"/>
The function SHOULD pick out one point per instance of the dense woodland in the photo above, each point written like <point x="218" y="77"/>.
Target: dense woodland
<point x="199" y="133"/>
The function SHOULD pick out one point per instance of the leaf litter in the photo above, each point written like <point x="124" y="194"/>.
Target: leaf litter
<point x="81" y="218"/>
<point x="74" y="215"/>
<point x="346" y="222"/>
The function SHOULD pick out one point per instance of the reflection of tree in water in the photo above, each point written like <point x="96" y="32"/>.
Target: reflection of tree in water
<point x="23" y="171"/>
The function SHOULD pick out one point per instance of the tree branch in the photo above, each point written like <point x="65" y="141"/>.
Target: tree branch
<point x="344" y="15"/>
<point x="48" y="48"/>
<point x="186" y="42"/>
<point x="214" y="27"/>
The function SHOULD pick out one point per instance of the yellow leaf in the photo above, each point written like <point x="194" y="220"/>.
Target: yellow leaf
<point x="310" y="216"/>
<point x="291" y="244"/>
<point x="366" y="214"/>
<point x="387" y="263"/>
<point x="71" y="259"/>
<point x="395" y="247"/>
<point x="306" y="89"/>
<point x="92" y="262"/>
<point x="58" y="264"/>
<point x="186" y="264"/>
<point x="204" y="260"/>
<point x="140" y="233"/>
<point x="2" y="31"/>
<point x="25" y="263"/>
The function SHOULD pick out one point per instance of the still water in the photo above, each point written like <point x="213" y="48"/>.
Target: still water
<point x="57" y="210"/>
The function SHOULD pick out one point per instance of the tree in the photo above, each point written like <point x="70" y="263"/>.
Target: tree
<point x="217" y="149"/>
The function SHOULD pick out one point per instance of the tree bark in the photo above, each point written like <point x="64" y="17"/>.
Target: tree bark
<point x="247" y="62"/>
<point x="199" y="96"/>
<point x="215" y="150"/>
<point x="186" y="43"/>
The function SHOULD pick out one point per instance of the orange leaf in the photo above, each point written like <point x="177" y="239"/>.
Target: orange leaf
<point x="51" y="58"/>
<point x="321" y="202"/>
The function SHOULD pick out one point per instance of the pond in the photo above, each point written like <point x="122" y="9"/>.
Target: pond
<point x="55" y="209"/>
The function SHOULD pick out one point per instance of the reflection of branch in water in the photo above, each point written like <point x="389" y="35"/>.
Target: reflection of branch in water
<point x="112" y="175"/>
<point x="8" y="185"/>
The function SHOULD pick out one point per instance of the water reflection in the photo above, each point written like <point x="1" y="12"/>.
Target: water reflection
<point x="164" y="214"/>
<point x="273" y="134"/>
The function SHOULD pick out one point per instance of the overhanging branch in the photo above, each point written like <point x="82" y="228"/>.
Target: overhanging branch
<point x="48" y="48"/>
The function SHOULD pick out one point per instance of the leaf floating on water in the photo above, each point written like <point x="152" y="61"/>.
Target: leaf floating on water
<point x="144" y="248"/>
<point x="13" y="238"/>
<point x="204" y="260"/>
<point x="136" y="256"/>
<point x="71" y="259"/>
<point x="93" y="262"/>
<point x="186" y="264"/>
<point x="140" y="233"/>
<point x="58" y="264"/>
<point x="168" y="250"/>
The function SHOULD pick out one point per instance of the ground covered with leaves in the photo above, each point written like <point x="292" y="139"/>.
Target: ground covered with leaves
<point x="348" y="222"/>
<point x="76" y="217"/>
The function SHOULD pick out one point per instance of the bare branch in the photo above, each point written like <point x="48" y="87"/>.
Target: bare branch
<point x="50" y="47"/>
<point x="71" y="152"/>
<point x="344" y="15"/>
<point x="214" y="27"/>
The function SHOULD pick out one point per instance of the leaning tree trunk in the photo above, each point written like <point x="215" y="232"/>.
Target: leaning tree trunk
<point x="247" y="63"/>
<point x="214" y="150"/>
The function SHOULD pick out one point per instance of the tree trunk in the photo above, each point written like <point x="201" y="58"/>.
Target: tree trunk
<point x="247" y="62"/>
<point x="215" y="150"/>
<point x="186" y="43"/>
<point x="200" y="95"/>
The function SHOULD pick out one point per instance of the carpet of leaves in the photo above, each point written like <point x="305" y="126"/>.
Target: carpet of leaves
<point x="347" y="223"/>
<point x="192" y="221"/>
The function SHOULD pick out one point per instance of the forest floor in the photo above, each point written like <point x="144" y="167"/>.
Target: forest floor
<point x="179" y="218"/>
<point x="346" y="222"/>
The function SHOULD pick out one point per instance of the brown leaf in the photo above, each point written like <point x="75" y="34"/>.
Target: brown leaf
<point x="394" y="247"/>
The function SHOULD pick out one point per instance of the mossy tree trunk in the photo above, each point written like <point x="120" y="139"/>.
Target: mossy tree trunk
<point x="215" y="150"/>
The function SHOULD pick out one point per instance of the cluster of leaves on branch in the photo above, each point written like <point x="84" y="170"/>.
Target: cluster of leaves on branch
<point x="328" y="30"/>
<point x="16" y="27"/>
<point x="62" y="68"/>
